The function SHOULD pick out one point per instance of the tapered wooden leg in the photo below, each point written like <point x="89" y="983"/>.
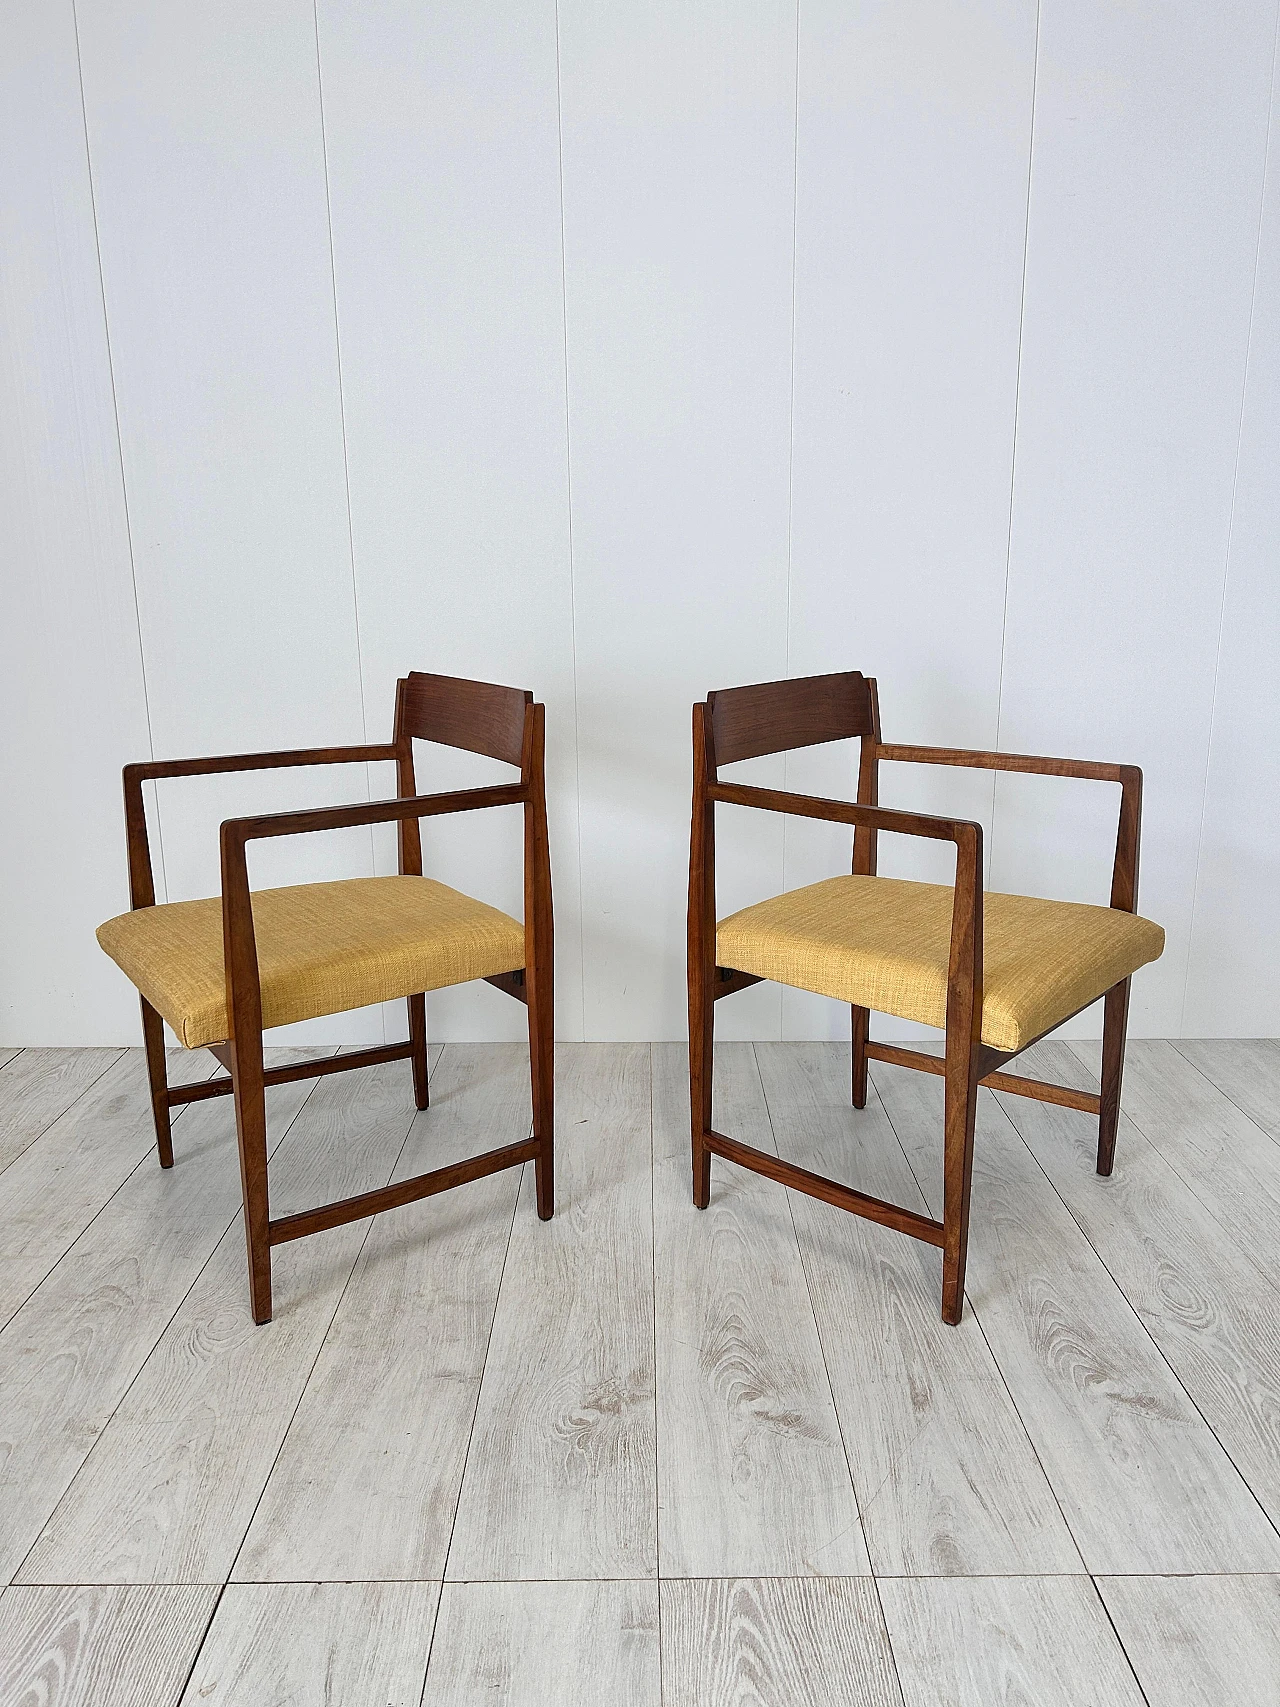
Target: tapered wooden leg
<point x="701" y="1033"/>
<point x="960" y="1112"/>
<point x="417" y="1006"/>
<point x="538" y="989"/>
<point x="153" y="1037"/>
<point x="861" y="1027"/>
<point x="1115" y="1025"/>
<point x="251" y="1134"/>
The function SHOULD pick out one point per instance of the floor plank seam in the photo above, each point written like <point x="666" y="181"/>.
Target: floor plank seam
<point x="475" y="1408"/>
<point x="180" y="1696"/>
<point x="164" y="1328"/>
<point x="991" y="1350"/>
<point x="859" y="1506"/>
<point x="302" y="1389"/>
<point x="1206" y="1204"/>
<point x="1179" y="1384"/>
<point x="143" y="1159"/>
<point x="82" y="1092"/>
<point x="1221" y="1088"/>
<point x="1106" y="1613"/>
<point x="657" y="1375"/>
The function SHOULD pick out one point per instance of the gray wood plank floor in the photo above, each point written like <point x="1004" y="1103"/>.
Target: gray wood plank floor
<point x="640" y="1454"/>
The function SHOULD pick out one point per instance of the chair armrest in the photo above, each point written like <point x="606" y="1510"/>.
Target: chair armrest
<point x="964" y="961"/>
<point x="239" y="945"/>
<point x="142" y="890"/>
<point x="149" y="770"/>
<point x="973" y="759"/>
<point x="1124" y="871"/>
<point x="956" y="830"/>
<point x="237" y="831"/>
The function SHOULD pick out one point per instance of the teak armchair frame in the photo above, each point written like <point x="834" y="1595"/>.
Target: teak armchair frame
<point x="774" y="717"/>
<point x="502" y="723"/>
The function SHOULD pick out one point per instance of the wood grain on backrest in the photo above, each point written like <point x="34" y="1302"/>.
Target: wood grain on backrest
<point x="479" y="716"/>
<point x="773" y="717"/>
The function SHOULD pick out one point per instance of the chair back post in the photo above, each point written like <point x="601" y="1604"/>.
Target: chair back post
<point x="865" y="842"/>
<point x="539" y="953"/>
<point x="539" y="943"/>
<point x="702" y="948"/>
<point x="409" y="836"/>
<point x="702" y="851"/>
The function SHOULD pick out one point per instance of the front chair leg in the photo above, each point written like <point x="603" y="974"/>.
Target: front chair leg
<point x="417" y="1006"/>
<point x="961" y="1109"/>
<point x="1115" y="1025"/>
<point x="153" y="1037"/>
<point x="251" y="1135"/>
<point x="861" y="1028"/>
<point x="701" y="1068"/>
<point x="538" y="992"/>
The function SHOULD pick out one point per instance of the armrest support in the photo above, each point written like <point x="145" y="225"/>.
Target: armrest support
<point x="1124" y="871"/>
<point x="142" y="889"/>
<point x="149" y="770"/>
<point x="964" y="965"/>
<point x="843" y="812"/>
<point x="973" y="759"/>
<point x="239" y="946"/>
<point x="237" y="831"/>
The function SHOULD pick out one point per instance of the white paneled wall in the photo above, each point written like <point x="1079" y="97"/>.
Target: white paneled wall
<point x="622" y="352"/>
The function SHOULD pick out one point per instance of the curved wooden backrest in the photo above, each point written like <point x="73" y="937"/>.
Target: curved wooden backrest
<point x="478" y="716"/>
<point x="773" y="717"/>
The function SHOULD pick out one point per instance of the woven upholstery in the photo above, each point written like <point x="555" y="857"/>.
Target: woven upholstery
<point x="882" y="943"/>
<point x="322" y="948"/>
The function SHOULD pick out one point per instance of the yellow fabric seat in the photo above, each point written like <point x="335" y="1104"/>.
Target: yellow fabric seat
<point x="883" y="943"/>
<point x="322" y="948"/>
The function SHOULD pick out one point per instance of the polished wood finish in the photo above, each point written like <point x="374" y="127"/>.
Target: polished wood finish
<point x="153" y="1039"/>
<point x="770" y="717"/>
<point x="481" y="717"/>
<point x="1115" y="1023"/>
<point x="477" y="716"/>
<point x="896" y="1056"/>
<point x="827" y="1190"/>
<point x="963" y="1055"/>
<point x="537" y="987"/>
<point x="776" y="717"/>
<point x="404" y="1191"/>
<point x="703" y="971"/>
<point x="317" y="1069"/>
<point x="864" y="865"/>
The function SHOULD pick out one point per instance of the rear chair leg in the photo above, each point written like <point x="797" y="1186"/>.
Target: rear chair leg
<point x="1115" y="1025"/>
<point x="153" y="1037"/>
<point x="542" y="1077"/>
<point x="701" y="1067"/>
<point x="861" y="1027"/>
<point x="960" y="1112"/>
<point x="251" y="1135"/>
<point x="417" y="1006"/>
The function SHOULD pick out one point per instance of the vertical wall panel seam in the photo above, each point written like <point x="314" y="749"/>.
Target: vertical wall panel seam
<point x="342" y="421"/>
<point x="115" y="416"/>
<point x="342" y="407"/>
<point x="1231" y="522"/>
<point x="791" y="429"/>
<point x="573" y="613"/>
<point x="1013" y="446"/>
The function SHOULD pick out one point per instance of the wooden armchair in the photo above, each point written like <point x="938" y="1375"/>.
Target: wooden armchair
<point x="221" y="971"/>
<point x="915" y="950"/>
